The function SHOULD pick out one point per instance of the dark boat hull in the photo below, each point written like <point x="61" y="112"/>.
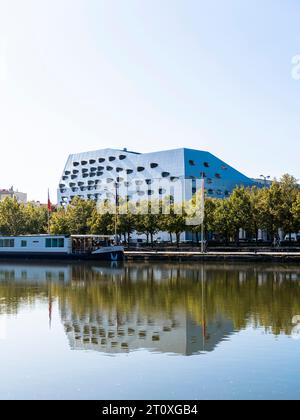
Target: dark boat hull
<point x="104" y="256"/>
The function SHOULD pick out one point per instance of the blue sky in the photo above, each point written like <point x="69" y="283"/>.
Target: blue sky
<point x="79" y="75"/>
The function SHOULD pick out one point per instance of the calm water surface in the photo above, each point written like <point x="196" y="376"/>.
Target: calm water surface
<point x="149" y="331"/>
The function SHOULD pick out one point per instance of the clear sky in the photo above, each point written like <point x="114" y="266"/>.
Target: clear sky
<point x="78" y="75"/>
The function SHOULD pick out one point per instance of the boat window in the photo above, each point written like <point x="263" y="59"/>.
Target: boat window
<point x="61" y="243"/>
<point x="7" y="243"/>
<point x="23" y="244"/>
<point x="55" y="243"/>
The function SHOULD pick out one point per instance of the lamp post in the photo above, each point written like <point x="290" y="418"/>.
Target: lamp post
<point x="265" y="178"/>
<point x="116" y="213"/>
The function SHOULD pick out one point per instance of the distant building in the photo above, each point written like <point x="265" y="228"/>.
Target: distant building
<point x="93" y="175"/>
<point x="11" y="193"/>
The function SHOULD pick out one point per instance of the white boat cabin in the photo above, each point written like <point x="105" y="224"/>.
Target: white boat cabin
<point x="54" y="244"/>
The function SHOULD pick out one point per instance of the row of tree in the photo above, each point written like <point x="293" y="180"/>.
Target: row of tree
<point x="251" y="209"/>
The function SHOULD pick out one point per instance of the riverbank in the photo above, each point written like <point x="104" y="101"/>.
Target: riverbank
<point x="214" y="256"/>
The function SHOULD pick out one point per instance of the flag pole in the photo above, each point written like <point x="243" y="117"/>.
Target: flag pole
<point x="49" y="210"/>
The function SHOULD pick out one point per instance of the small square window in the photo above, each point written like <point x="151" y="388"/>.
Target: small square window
<point x="61" y="243"/>
<point x="23" y="244"/>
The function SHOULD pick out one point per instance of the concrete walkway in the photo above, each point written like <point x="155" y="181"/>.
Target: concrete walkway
<point x="212" y="256"/>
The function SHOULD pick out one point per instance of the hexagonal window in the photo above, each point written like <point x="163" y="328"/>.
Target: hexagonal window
<point x="111" y="158"/>
<point x="109" y="168"/>
<point x="92" y="161"/>
<point x="129" y="171"/>
<point x="84" y="162"/>
<point x="119" y="169"/>
<point x="76" y="163"/>
<point x="153" y="165"/>
<point x="101" y="160"/>
<point x="122" y="157"/>
<point x="140" y="168"/>
<point x="165" y="174"/>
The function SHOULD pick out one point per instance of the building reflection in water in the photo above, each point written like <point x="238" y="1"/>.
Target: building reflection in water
<point x="179" y="309"/>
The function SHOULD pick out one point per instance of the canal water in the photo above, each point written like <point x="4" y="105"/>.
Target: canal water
<point x="149" y="331"/>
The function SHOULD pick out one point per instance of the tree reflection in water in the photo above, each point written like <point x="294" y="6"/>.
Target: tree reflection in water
<point x="178" y="308"/>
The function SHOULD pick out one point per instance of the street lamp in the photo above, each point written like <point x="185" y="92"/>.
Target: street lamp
<point x="265" y="178"/>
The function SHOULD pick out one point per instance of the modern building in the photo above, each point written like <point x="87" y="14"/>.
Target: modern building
<point x="96" y="175"/>
<point x="11" y="193"/>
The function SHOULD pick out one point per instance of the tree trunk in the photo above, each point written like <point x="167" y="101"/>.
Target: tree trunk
<point x="177" y="239"/>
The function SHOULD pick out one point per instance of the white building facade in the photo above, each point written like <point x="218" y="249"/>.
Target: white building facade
<point x="96" y="175"/>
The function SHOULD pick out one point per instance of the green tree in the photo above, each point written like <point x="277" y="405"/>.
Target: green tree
<point x="59" y="223"/>
<point x="36" y="219"/>
<point x="175" y="221"/>
<point x="296" y="213"/>
<point x="147" y="222"/>
<point x="289" y="191"/>
<point x="101" y="223"/>
<point x="12" y="217"/>
<point x="79" y="213"/>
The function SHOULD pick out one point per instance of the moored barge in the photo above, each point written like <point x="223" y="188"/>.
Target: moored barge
<point x="61" y="247"/>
